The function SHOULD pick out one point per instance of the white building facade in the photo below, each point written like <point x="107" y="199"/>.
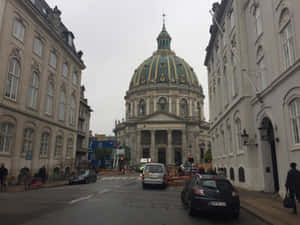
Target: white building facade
<point x="254" y="90"/>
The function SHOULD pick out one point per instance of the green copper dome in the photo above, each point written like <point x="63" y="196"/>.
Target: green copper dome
<point x="164" y="67"/>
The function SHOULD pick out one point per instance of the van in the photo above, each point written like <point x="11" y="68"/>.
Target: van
<point x="155" y="174"/>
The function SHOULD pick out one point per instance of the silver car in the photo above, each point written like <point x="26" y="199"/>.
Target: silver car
<point x="155" y="174"/>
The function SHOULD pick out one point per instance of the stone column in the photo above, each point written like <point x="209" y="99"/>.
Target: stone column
<point x="170" y="105"/>
<point x="148" y="106"/>
<point x="154" y="104"/>
<point x="190" y="108"/>
<point x="177" y="107"/>
<point x="170" y="158"/>
<point x="152" y="146"/>
<point x="138" y="146"/>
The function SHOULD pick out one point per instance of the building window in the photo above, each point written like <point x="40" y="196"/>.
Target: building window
<point x="287" y="38"/>
<point x="53" y="59"/>
<point x="34" y="91"/>
<point x="13" y="77"/>
<point x="19" y="30"/>
<point x="242" y="175"/>
<point x="163" y="105"/>
<point x="44" y="144"/>
<point x="65" y="70"/>
<point x="75" y="78"/>
<point x="295" y="120"/>
<point x="232" y="19"/>
<point x="142" y="108"/>
<point x="28" y="141"/>
<point x="235" y="88"/>
<point x="231" y="171"/>
<point x="183" y="108"/>
<point x="58" y="147"/>
<point x="6" y="137"/>
<point x="72" y="110"/>
<point x="38" y="46"/>
<point x="258" y="22"/>
<point x="238" y="133"/>
<point x="69" y="148"/>
<point x="226" y="89"/>
<point x="49" y="99"/>
<point x="146" y="153"/>
<point x="62" y="106"/>
<point x="261" y="68"/>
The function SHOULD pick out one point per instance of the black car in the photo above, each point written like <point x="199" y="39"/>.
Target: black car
<point x="84" y="177"/>
<point x="210" y="193"/>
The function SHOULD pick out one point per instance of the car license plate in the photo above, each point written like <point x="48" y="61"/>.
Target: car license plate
<point x="153" y="178"/>
<point x="219" y="204"/>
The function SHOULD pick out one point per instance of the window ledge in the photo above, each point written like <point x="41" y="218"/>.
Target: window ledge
<point x="10" y="99"/>
<point x="240" y="153"/>
<point x="43" y="157"/>
<point x="5" y="154"/>
<point x="295" y="148"/>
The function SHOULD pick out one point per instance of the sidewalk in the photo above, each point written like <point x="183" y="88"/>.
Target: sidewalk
<point x="20" y="188"/>
<point x="268" y="207"/>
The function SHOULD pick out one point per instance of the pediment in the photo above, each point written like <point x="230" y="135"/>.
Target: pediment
<point x="163" y="117"/>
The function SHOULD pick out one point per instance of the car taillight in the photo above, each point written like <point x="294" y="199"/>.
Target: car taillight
<point x="198" y="191"/>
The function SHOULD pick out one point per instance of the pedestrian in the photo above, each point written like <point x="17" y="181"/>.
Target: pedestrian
<point x="26" y="178"/>
<point x="3" y="175"/>
<point x="292" y="185"/>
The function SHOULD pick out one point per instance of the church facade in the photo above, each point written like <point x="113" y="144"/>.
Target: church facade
<point x="164" y="110"/>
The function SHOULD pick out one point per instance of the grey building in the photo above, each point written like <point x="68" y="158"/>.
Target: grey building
<point x="252" y="60"/>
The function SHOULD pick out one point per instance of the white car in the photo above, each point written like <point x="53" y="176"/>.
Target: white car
<point x="155" y="174"/>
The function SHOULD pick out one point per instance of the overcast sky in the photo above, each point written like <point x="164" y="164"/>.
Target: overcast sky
<point x="116" y="36"/>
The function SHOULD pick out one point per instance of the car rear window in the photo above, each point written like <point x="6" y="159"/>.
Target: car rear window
<point x="154" y="169"/>
<point x="222" y="185"/>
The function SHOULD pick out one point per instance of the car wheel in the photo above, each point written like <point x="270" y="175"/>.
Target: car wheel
<point x="191" y="211"/>
<point x="86" y="181"/>
<point x="144" y="186"/>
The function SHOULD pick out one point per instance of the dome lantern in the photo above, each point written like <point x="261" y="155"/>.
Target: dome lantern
<point x="164" y="39"/>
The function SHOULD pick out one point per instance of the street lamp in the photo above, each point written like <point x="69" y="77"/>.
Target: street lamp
<point x="247" y="140"/>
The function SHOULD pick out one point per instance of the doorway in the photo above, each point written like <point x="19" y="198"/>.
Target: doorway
<point x="178" y="158"/>
<point x="162" y="155"/>
<point x="270" y="162"/>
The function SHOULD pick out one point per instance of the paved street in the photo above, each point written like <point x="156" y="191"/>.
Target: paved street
<point x="113" y="200"/>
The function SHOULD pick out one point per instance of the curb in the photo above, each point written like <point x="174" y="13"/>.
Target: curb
<point x="252" y="212"/>
<point x="38" y="188"/>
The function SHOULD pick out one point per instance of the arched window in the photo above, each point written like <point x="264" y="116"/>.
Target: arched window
<point x="242" y="175"/>
<point x="6" y="137"/>
<point x="62" y="106"/>
<point x="287" y="38"/>
<point x="69" y="148"/>
<point x="238" y="125"/>
<point x="65" y="70"/>
<point x="260" y="68"/>
<point x="183" y="107"/>
<point x="58" y="147"/>
<point x="72" y="110"/>
<point x="34" y="91"/>
<point x="231" y="171"/>
<point x="163" y="105"/>
<point x="19" y="30"/>
<point x="142" y="108"/>
<point x="295" y="119"/>
<point x="13" y="78"/>
<point x="49" y="98"/>
<point x="75" y="78"/>
<point x="28" y="141"/>
<point x="258" y="22"/>
<point x="53" y="59"/>
<point x="44" y="144"/>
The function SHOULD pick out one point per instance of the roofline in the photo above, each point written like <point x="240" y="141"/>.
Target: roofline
<point x="214" y="29"/>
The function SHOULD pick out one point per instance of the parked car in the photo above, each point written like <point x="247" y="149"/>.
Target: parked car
<point x="84" y="177"/>
<point x="155" y="174"/>
<point x="210" y="193"/>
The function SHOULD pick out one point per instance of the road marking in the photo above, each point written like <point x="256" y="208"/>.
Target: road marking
<point x="80" y="199"/>
<point x="103" y="191"/>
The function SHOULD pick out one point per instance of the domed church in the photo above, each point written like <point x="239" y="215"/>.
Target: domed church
<point x="164" y="110"/>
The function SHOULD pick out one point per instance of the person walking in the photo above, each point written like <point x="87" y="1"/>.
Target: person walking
<point x="3" y="175"/>
<point x="43" y="174"/>
<point x="292" y="185"/>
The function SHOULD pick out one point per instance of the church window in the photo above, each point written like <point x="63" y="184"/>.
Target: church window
<point x="261" y="68"/>
<point x="231" y="171"/>
<point x="142" y="108"/>
<point x="242" y="175"/>
<point x="163" y="105"/>
<point x="183" y="107"/>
